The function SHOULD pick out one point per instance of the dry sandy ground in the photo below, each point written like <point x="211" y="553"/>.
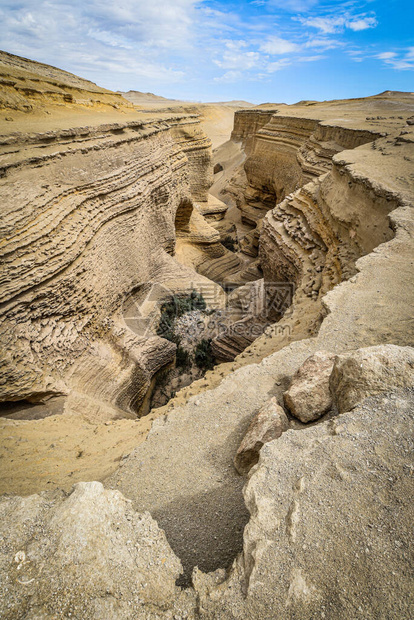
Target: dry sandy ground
<point x="216" y="118"/>
<point x="56" y="452"/>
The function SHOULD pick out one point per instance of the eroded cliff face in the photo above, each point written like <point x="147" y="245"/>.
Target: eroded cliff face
<point x="89" y="219"/>
<point x="310" y="218"/>
<point x="285" y="152"/>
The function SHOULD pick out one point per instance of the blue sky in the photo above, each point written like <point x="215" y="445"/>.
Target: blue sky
<point x="208" y="50"/>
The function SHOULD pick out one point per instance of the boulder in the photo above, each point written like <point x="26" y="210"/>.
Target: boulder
<point x="89" y="555"/>
<point x="309" y="397"/>
<point x="370" y="371"/>
<point x="330" y="532"/>
<point x="268" y="424"/>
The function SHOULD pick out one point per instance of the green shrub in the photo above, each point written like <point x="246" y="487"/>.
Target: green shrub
<point x="182" y="358"/>
<point x="203" y="355"/>
<point x="176" y="307"/>
<point x="230" y="243"/>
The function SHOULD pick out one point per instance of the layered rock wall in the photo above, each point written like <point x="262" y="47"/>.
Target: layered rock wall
<point x="246" y="125"/>
<point x="286" y="153"/>
<point x="325" y="217"/>
<point x="314" y="236"/>
<point x="90" y="222"/>
<point x="78" y="205"/>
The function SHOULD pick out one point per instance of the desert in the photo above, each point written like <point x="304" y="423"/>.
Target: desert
<point x="207" y="362"/>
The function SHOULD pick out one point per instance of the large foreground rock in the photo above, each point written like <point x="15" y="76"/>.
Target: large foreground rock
<point x="329" y="537"/>
<point x="370" y="371"/>
<point x="331" y="519"/>
<point x="268" y="424"/>
<point x="89" y="555"/>
<point x="309" y="397"/>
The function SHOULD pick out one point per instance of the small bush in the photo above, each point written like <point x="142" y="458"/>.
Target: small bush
<point x="166" y="327"/>
<point x="182" y="358"/>
<point x="230" y="243"/>
<point x="197" y="301"/>
<point x="203" y="355"/>
<point x="176" y="307"/>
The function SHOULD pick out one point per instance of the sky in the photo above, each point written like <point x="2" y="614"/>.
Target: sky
<point x="207" y="50"/>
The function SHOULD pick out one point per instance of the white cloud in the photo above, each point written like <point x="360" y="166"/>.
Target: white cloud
<point x="336" y="23"/>
<point x="357" y="55"/>
<point x="402" y="64"/>
<point x="146" y="45"/>
<point x="293" y="6"/>
<point x="230" y="76"/>
<point x="109" y="39"/>
<point x="234" y="59"/>
<point x="101" y="39"/>
<point x="235" y="44"/>
<point x="327" y="25"/>
<point x="277" y="46"/>
<point x="401" y="60"/>
<point x="311" y="58"/>
<point x="386" y="55"/>
<point x="362" y="24"/>
<point x="278" y="65"/>
<point x="166" y="23"/>
<point x="322" y="43"/>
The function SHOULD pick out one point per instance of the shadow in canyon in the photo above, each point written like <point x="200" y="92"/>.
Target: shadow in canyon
<point x="206" y="529"/>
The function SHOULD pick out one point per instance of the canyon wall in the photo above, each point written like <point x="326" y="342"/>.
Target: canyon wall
<point x="89" y="221"/>
<point x="326" y="500"/>
<point x="284" y="152"/>
<point x="311" y="221"/>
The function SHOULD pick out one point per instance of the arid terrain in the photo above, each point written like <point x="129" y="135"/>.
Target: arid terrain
<point x="275" y="483"/>
<point x="216" y="119"/>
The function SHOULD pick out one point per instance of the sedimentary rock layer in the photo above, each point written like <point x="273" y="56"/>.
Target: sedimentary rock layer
<point x="89" y="219"/>
<point x="27" y="85"/>
<point x="312" y="216"/>
<point x="288" y="151"/>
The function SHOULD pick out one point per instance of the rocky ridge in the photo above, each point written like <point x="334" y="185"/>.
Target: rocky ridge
<point x="27" y="85"/>
<point x="321" y="566"/>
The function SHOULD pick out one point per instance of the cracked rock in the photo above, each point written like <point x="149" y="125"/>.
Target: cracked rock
<point x="369" y="371"/>
<point x="309" y="397"/>
<point x="268" y="424"/>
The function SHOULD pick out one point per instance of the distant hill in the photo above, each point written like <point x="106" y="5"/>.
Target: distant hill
<point x="135" y="96"/>
<point x="149" y="99"/>
<point x="27" y="85"/>
<point x="234" y="102"/>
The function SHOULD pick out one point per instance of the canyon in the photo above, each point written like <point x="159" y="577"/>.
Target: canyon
<point x="297" y="231"/>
